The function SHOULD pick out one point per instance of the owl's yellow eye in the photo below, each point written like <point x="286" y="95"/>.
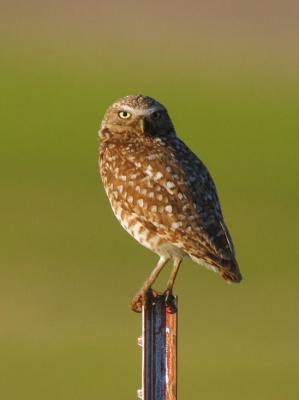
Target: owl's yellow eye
<point x="124" y="115"/>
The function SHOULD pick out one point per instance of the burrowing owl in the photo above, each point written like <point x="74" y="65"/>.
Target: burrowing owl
<point x="160" y="192"/>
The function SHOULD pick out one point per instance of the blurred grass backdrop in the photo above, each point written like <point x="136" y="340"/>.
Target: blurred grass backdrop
<point x="228" y="73"/>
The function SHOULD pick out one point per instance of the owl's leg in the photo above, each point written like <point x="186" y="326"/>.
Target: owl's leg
<point x="140" y="297"/>
<point x="176" y="266"/>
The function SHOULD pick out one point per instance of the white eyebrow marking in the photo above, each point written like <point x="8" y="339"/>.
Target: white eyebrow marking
<point x="140" y="111"/>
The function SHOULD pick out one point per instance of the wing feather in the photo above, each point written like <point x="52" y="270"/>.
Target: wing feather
<point x="185" y="211"/>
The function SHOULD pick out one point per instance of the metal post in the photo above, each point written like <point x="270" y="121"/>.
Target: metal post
<point x="159" y="349"/>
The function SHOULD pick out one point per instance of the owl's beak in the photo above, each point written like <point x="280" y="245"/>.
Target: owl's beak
<point x="141" y="124"/>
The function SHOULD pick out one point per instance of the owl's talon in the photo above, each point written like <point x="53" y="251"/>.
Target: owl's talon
<point x="168" y="295"/>
<point x="139" y="300"/>
<point x="170" y="300"/>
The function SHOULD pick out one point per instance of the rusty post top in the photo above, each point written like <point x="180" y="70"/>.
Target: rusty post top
<point x="159" y="348"/>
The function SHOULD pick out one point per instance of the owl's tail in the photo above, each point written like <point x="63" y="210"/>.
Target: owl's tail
<point x="227" y="268"/>
<point x="230" y="271"/>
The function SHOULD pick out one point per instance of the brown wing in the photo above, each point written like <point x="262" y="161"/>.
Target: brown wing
<point x="180" y="203"/>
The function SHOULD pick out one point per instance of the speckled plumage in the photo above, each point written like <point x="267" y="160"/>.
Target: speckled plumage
<point x="161" y="193"/>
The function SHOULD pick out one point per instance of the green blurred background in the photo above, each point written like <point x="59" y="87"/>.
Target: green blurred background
<point x="228" y="74"/>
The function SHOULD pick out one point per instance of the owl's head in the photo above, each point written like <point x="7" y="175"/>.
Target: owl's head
<point x="138" y="116"/>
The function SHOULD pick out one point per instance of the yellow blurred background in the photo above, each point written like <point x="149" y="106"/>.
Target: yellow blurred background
<point x="228" y="74"/>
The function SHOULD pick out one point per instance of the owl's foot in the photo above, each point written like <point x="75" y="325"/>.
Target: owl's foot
<point x="138" y="301"/>
<point x="168" y="295"/>
<point x="141" y="298"/>
<point x="170" y="300"/>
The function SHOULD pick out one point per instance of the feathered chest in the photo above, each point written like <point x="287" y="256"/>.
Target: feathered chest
<point x="167" y="185"/>
<point x="126" y="161"/>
